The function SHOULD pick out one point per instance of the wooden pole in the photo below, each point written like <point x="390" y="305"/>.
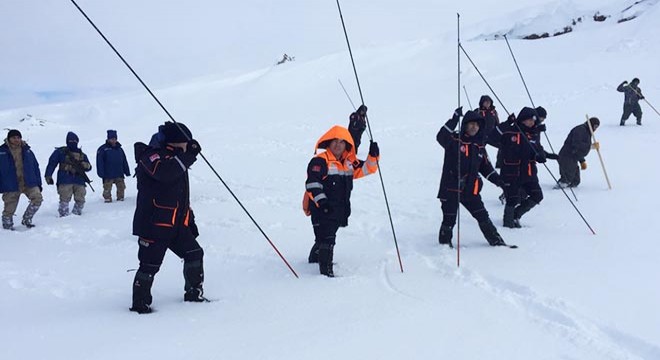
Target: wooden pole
<point x="600" y="157"/>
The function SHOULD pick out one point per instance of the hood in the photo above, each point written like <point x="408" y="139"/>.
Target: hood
<point x="336" y="132"/>
<point x="483" y="99"/>
<point x="473" y="116"/>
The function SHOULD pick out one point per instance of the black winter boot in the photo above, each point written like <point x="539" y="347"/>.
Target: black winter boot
<point x="193" y="273"/>
<point x="491" y="234"/>
<point x="142" y="293"/>
<point x="314" y="254"/>
<point x="509" y="211"/>
<point x="523" y="208"/>
<point x="325" y="259"/>
<point x="444" y="237"/>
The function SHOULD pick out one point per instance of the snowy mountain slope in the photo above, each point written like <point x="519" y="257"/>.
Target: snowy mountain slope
<point x="565" y="294"/>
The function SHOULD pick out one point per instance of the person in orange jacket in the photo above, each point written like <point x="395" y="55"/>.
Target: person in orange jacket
<point x="328" y="187"/>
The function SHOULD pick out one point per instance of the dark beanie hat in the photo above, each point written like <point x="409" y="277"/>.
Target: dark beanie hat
<point x="526" y="113"/>
<point x="13" y="133"/>
<point x="594" y="121"/>
<point x="112" y="134"/>
<point x="176" y="133"/>
<point x="540" y="112"/>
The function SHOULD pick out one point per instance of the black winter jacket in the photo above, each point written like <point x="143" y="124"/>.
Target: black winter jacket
<point x="577" y="143"/>
<point x="163" y="200"/>
<point x="473" y="161"/>
<point x="520" y="149"/>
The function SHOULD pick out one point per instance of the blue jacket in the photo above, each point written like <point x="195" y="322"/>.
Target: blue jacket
<point x="58" y="157"/>
<point x="31" y="172"/>
<point x="111" y="162"/>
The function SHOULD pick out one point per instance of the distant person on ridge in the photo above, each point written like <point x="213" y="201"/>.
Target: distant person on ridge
<point x="576" y="147"/>
<point x="357" y="123"/>
<point x="473" y="160"/>
<point x="19" y="174"/>
<point x="111" y="166"/>
<point x="163" y="218"/>
<point x="328" y="187"/>
<point x="73" y="164"/>
<point x="632" y="95"/>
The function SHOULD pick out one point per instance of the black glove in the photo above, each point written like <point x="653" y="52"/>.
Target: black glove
<point x="540" y="158"/>
<point x="552" y="156"/>
<point x="458" y="111"/>
<point x="49" y="180"/>
<point x="362" y="110"/>
<point x="41" y="189"/>
<point x="511" y="118"/>
<point x="641" y="98"/>
<point x="193" y="147"/>
<point x="540" y="127"/>
<point x="193" y="226"/>
<point x="325" y="207"/>
<point x="373" y="149"/>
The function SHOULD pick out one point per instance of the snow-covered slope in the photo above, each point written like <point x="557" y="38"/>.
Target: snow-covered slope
<point x="564" y="294"/>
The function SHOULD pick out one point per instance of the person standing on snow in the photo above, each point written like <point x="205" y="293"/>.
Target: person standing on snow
<point x="576" y="147"/>
<point x="111" y="166"/>
<point x="357" y="123"/>
<point x="19" y="174"/>
<point x="473" y="160"/>
<point x="519" y="142"/>
<point x="73" y="164"/>
<point x="163" y="218"/>
<point x="632" y="95"/>
<point x="328" y="187"/>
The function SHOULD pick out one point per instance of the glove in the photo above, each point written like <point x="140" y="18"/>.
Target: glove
<point x="595" y="145"/>
<point x="641" y="98"/>
<point x="458" y="111"/>
<point x="41" y="189"/>
<point x="583" y="165"/>
<point x="362" y="110"/>
<point x="540" y="158"/>
<point x="511" y="118"/>
<point x="193" y="147"/>
<point x="552" y="156"/>
<point x="373" y="149"/>
<point x="325" y="207"/>
<point x="625" y="83"/>
<point x="540" y="127"/>
<point x="49" y="180"/>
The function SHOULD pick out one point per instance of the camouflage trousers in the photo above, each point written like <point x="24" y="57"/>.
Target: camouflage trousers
<point x="11" y="201"/>
<point x="66" y="191"/>
<point x="107" y="188"/>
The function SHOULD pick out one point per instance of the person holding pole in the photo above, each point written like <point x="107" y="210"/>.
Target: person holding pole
<point x="631" y="101"/>
<point x="473" y="161"/>
<point x="520" y="144"/>
<point x="328" y="188"/>
<point x="576" y="147"/>
<point x="163" y="218"/>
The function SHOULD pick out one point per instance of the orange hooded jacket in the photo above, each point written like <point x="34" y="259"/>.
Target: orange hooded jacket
<point x="325" y="170"/>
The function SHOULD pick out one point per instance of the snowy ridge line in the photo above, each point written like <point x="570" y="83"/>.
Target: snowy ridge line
<point x="564" y="18"/>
